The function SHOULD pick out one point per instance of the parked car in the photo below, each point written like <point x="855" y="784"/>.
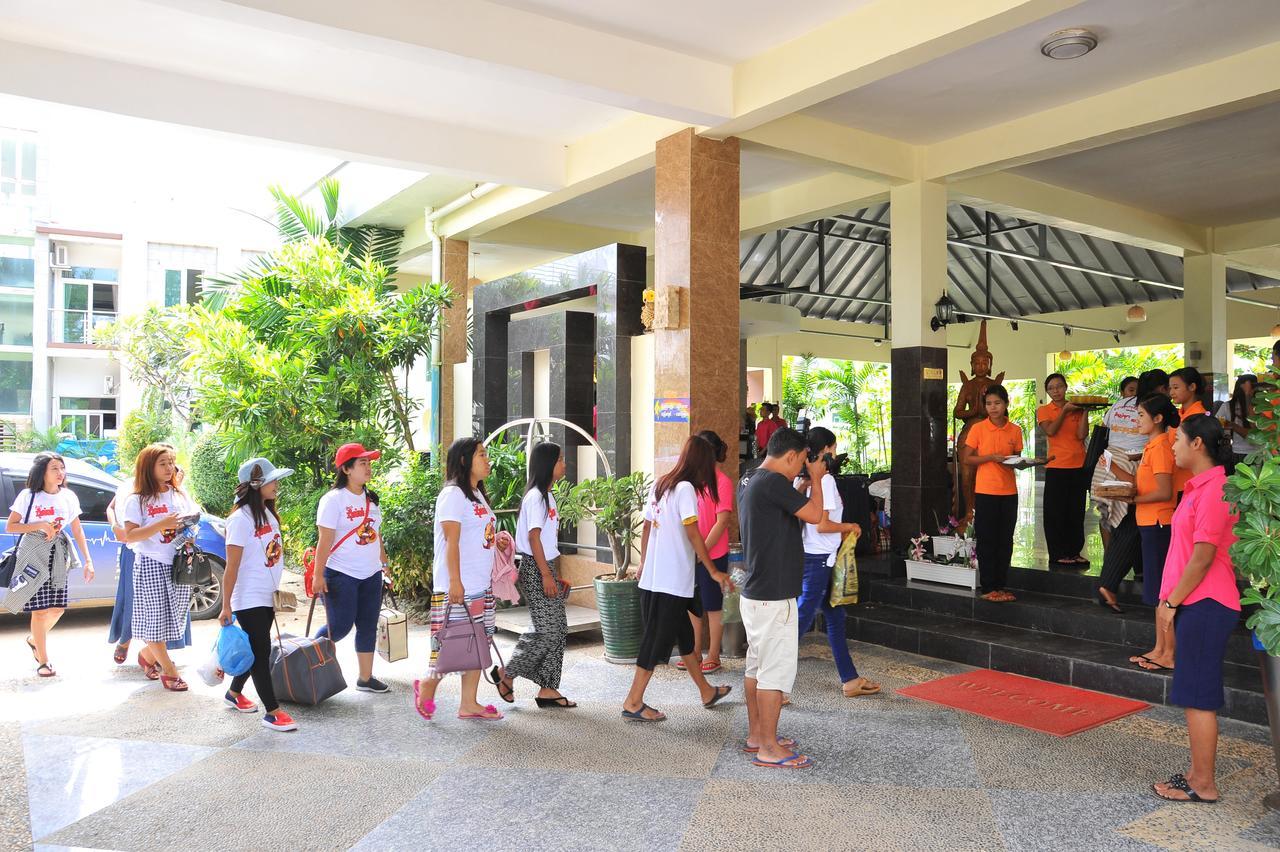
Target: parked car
<point x="96" y="488"/>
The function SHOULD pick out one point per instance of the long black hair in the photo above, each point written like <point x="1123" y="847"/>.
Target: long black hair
<point x="717" y="443"/>
<point x="344" y="476"/>
<point x="1150" y="380"/>
<point x="39" y="467"/>
<point x="1125" y="382"/>
<point x="1217" y="441"/>
<point x="1240" y="404"/>
<point x="1159" y="405"/>
<point x="457" y="467"/>
<point x="542" y="469"/>
<point x="247" y="495"/>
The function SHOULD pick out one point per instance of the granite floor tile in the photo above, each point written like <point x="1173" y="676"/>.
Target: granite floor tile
<point x="1032" y="821"/>
<point x="15" y="824"/>
<point x="263" y="796"/>
<point x="69" y="778"/>
<point x="489" y="808"/>
<point x="595" y="680"/>
<point x="155" y="715"/>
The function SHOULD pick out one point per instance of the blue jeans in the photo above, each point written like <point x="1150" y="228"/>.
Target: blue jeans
<point x="351" y="602"/>
<point x="815" y="595"/>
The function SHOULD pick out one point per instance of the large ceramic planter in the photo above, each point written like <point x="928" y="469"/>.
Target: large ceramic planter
<point x="1271" y="690"/>
<point x="618" y="602"/>
<point x="933" y="572"/>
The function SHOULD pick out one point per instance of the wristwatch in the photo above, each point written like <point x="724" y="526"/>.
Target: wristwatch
<point x="1165" y="603"/>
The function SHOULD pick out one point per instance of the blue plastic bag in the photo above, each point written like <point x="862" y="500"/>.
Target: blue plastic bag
<point x="235" y="657"/>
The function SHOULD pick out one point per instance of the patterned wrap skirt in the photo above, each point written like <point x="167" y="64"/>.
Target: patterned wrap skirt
<point x="48" y="596"/>
<point x="477" y="607"/>
<point x="160" y="607"/>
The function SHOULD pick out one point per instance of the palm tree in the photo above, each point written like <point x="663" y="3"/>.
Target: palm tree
<point x="798" y="386"/>
<point x="844" y="385"/>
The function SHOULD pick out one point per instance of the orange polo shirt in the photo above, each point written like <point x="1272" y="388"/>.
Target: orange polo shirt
<point x="1067" y="450"/>
<point x="1157" y="458"/>
<point x="986" y="439"/>
<point x="1193" y="407"/>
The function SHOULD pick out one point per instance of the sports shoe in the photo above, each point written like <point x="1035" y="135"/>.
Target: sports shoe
<point x="372" y="685"/>
<point x="279" y="721"/>
<point x="239" y="702"/>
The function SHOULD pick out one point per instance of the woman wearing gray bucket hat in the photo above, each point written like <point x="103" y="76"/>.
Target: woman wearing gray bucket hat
<point x="255" y="563"/>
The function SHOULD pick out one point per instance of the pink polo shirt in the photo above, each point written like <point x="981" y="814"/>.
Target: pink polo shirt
<point x="1203" y="516"/>
<point x="708" y="508"/>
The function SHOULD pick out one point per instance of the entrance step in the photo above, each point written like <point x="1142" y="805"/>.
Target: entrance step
<point x="1087" y="663"/>
<point x="517" y="620"/>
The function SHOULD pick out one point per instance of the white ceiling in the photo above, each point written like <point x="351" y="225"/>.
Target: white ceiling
<point x="722" y="30"/>
<point x="1218" y="172"/>
<point x="1006" y="77"/>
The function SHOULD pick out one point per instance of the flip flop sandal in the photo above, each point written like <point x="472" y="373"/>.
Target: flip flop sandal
<point x="425" y="712"/>
<point x="721" y="692"/>
<point x="45" y="670"/>
<point x="801" y="762"/>
<point x="785" y="742"/>
<point x="710" y="668"/>
<point x="121" y="654"/>
<point x="1178" y="782"/>
<point x="1139" y="659"/>
<point x="680" y="665"/>
<point x="1153" y="666"/>
<point x="490" y="714"/>
<point x="558" y="701"/>
<point x="638" y="715"/>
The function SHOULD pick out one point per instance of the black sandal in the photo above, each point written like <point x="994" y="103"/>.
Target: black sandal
<point x="495" y="677"/>
<point x="721" y="693"/>
<point x="558" y="701"/>
<point x="1178" y="782"/>
<point x="40" y="670"/>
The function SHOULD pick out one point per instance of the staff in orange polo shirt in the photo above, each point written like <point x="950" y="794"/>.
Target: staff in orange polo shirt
<point x="1065" y="426"/>
<point x="1185" y="387"/>
<point x="995" y="500"/>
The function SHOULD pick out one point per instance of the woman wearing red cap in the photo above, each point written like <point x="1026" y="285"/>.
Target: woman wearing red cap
<point x="350" y="558"/>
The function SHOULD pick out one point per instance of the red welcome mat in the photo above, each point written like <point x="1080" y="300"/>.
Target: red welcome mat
<point x="1050" y="708"/>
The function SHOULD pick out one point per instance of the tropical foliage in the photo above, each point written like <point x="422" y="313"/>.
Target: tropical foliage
<point x="798" y="386"/>
<point x="1099" y="371"/>
<point x="854" y="393"/>
<point x="614" y="505"/>
<point x="209" y="480"/>
<point x="146" y="424"/>
<point x="155" y="346"/>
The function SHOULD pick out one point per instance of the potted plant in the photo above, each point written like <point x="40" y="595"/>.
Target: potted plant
<point x="1254" y="490"/>
<point x="615" y="506"/>
<point x="956" y="568"/>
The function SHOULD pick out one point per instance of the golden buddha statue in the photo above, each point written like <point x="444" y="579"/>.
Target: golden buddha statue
<point x="970" y="409"/>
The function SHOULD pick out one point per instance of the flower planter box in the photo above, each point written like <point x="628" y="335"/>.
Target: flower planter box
<point x="933" y="572"/>
<point x="945" y="546"/>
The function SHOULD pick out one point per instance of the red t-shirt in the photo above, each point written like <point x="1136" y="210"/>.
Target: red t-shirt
<point x="765" y="430"/>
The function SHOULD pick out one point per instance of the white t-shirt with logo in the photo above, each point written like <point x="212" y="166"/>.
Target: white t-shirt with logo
<point x="145" y="511"/>
<point x="59" y="509"/>
<point x="1240" y="445"/>
<point x="669" y="558"/>
<point x="1122" y="421"/>
<point x="360" y="554"/>
<point x="816" y="542"/>
<point x="261" y="564"/>
<point x="476" y="540"/>
<point x="535" y="515"/>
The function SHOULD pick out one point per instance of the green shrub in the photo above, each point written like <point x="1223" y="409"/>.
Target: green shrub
<point x="408" y="502"/>
<point x="142" y="427"/>
<point x="297" y="507"/>
<point x="210" y="481"/>
<point x="508" y="476"/>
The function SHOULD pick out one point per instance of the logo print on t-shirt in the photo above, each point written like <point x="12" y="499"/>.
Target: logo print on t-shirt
<point x="273" y="551"/>
<point x="366" y="534"/>
<point x="44" y="513"/>
<point x="490" y="534"/>
<point x="353" y="513"/>
<point x="551" y="514"/>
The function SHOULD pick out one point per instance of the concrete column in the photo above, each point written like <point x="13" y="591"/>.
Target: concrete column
<point x="696" y="261"/>
<point x="1204" y="323"/>
<point x="918" y="276"/>
<point x="454" y="265"/>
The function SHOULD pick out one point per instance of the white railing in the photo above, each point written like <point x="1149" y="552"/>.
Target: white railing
<point x="72" y="326"/>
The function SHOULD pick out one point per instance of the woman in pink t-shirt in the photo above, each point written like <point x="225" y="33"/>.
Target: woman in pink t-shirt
<point x="1199" y="600"/>
<point x="714" y="515"/>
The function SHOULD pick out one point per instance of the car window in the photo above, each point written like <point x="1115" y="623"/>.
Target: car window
<point x="93" y="500"/>
<point x="16" y="484"/>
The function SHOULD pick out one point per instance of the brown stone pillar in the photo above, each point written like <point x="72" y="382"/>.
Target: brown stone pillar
<point x="696" y="253"/>
<point x="454" y="266"/>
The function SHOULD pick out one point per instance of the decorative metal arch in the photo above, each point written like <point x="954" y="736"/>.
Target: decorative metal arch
<point x="539" y="427"/>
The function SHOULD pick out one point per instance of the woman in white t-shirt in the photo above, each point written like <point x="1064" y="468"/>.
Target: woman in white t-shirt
<point x="158" y="518"/>
<point x="821" y="542"/>
<point x="1236" y="415"/>
<point x="669" y="545"/>
<point x="466" y="532"/>
<point x="47" y="507"/>
<point x="351" y="559"/>
<point x="539" y="655"/>
<point x="255" y="563"/>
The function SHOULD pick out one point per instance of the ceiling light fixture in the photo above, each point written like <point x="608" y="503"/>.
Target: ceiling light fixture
<point x="1069" y="44"/>
<point x="1065" y="354"/>
<point x="1275" y="330"/>
<point x="1136" y="313"/>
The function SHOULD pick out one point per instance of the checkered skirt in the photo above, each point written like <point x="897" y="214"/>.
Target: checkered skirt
<point x="47" y="597"/>
<point x="159" y="606"/>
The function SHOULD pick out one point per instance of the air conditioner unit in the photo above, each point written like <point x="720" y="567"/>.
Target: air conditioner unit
<point x="108" y="385"/>
<point x="58" y="257"/>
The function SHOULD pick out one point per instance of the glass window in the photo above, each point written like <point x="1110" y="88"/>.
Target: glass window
<point x="17" y="272"/>
<point x="193" y="286"/>
<point x="95" y="273"/>
<point x="88" y="403"/>
<point x="181" y="286"/>
<point x="28" y="168"/>
<point x="172" y="287"/>
<point x="15" y="383"/>
<point x="8" y="165"/>
<point x="93" y="500"/>
<point x="75" y="297"/>
<point x="16" y="320"/>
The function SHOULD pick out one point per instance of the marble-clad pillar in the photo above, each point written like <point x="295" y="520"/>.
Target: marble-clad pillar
<point x="454" y="266"/>
<point x="918" y="218"/>
<point x="696" y="251"/>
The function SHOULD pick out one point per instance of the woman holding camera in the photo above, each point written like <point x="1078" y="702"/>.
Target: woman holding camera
<point x="821" y="543"/>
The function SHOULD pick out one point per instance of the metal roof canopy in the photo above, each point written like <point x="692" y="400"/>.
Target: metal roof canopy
<point x="1000" y="266"/>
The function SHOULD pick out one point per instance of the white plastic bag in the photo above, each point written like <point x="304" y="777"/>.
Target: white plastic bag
<point x="209" y="670"/>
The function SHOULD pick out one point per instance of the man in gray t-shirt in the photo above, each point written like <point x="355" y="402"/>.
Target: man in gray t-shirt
<point x="770" y="511"/>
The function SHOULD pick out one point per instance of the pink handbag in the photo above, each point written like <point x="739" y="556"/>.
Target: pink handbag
<point x="464" y="645"/>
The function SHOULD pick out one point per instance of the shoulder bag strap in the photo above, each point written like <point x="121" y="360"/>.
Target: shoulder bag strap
<point x="354" y="529"/>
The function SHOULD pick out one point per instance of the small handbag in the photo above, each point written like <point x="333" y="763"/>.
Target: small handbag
<point x="393" y="633"/>
<point x="191" y="566"/>
<point x="284" y="601"/>
<point x="464" y="645"/>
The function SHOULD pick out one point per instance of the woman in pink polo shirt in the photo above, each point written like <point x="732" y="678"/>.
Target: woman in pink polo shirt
<point x="1199" y="600"/>
<point x="714" y="515"/>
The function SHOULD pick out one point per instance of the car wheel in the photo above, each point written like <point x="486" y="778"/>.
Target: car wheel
<point x="206" y="600"/>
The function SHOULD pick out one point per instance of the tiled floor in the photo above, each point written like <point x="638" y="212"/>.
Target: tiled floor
<point x="103" y="760"/>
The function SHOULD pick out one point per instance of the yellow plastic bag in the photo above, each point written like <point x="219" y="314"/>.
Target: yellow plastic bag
<point x="844" y="576"/>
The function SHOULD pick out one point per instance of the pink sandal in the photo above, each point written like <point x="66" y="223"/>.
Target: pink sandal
<point x="425" y="712"/>
<point x="490" y="714"/>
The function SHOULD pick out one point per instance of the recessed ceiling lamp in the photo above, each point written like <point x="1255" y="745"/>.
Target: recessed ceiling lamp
<point x="1069" y="44"/>
<point x="1136" y="313"/>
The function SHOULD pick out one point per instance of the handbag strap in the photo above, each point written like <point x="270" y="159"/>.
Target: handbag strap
<point x="311" y="611"/>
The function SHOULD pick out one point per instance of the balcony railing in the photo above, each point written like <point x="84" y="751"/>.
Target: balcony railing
<point x="70" y="326"/>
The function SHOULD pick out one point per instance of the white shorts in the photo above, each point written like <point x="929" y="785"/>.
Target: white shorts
<point x="773" y="642"/>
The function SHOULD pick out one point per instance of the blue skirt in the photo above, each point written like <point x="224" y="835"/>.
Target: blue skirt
<point x="1202" y="630"/>
<point x="122" y="613"/>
